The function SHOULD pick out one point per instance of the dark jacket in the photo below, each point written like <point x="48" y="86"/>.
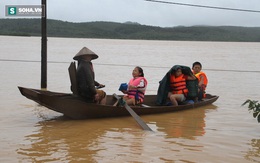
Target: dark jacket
<point x="86" y="79"/>
<point x="164" y="85"/>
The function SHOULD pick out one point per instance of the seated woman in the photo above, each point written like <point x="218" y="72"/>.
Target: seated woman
<point x="136" y="87"/>
<point x="178" y="89"/>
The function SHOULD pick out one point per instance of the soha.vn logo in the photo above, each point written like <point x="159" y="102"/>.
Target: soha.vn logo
<point x="25" y="10"/>
<point x="11" y="10"/>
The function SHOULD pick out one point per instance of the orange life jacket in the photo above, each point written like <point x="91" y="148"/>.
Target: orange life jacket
<point x="198" y="75"/>
<point x="178" y="84"/>
<point x="137" y="93"/>
<point x="205" y="81"/>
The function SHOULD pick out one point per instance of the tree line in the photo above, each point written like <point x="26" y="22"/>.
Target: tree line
<point x="128" y="30"/>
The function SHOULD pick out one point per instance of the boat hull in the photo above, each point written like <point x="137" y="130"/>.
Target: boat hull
<point x="76" y="108"/>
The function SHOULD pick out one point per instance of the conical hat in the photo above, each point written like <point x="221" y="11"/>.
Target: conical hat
<point x="83" y="52"/>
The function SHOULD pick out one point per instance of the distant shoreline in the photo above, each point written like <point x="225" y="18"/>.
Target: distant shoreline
<point x="128" y="30"/>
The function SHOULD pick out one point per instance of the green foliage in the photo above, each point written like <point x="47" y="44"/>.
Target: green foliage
<point x="255" y="107"/>
<point x="128" y="30"/>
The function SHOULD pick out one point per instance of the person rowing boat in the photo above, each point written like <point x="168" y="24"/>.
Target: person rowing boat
<point x="87" y="86"/>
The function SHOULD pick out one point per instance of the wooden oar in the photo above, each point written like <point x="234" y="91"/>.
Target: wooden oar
<point x="134" y="115"/>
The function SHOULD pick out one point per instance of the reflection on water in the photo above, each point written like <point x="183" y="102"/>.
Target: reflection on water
<point x="176" y="138"/>
<point x="63" y="140"/>
<point x="186" y="124"/>
<point x="60" y="140"/>
<point x="253" y="153"/>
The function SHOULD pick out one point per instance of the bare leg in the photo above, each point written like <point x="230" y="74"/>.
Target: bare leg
<point x="103" y="101"/>
<point x="173" y="99"/>
<point x="130" y="101"/>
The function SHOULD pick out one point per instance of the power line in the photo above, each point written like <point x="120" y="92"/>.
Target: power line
<point x="119" y="65"/>
<point x="203" y="6"/>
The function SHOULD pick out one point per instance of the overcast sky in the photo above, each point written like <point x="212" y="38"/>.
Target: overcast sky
<point x="148" y="13"/>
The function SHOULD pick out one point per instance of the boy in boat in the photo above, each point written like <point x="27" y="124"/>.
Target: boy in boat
<point x="136" y="87"/>
<point x="86" y="77"/>
<point x="179" y="90"/>
<point x="203" y="80"/>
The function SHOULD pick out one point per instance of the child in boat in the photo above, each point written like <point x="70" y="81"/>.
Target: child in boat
<point x="178" y="87"/>
<point x="202" y="77"/>
<point x="136" y="87"/>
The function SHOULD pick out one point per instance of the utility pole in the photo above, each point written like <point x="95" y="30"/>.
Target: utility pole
<point x="44" y="46"/>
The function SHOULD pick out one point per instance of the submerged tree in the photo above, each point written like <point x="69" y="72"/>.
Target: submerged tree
<point x="255" y="107"/>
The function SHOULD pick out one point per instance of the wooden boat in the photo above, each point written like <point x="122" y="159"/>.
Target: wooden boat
<point x="73" y="106"/>
<point x="76" y="108"/>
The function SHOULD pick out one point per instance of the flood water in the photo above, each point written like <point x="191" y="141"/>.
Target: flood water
<point x="222" y="132"/>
